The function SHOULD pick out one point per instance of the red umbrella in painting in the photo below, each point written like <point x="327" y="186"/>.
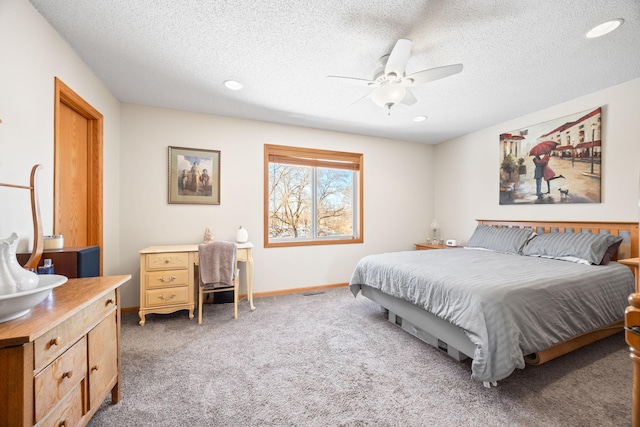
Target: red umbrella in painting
<point x="545" y="147"/>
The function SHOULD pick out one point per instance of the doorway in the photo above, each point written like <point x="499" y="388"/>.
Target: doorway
<point x="77" y="175"/>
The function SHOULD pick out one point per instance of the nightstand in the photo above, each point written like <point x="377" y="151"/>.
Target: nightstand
<point x="632" y="263"/>
<point x="427" y="246"/>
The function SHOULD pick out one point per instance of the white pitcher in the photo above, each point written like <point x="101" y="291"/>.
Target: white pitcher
<point x="13" y="277"/>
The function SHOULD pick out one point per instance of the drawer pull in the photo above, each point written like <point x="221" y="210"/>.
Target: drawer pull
<point x="54" y="341"/>
<point x="109" y="301"/>
<point x="167" y="261"/>
<point x="167" y="280"/>
<point x="62" y="423"/>
<point x="67" y="374"/>
<point x="162" y="297"/>
<point x="95" y="368"/>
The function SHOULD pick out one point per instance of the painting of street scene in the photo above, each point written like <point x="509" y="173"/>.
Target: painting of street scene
<point x="558" y="161"/>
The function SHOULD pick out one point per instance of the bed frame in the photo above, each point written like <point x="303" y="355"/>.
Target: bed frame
<point x="450" y="338"/>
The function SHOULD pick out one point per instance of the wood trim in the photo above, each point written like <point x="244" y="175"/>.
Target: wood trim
<point x="300" y="290"/>
<point x="574" y="343"/>
<point x="355" y="158"/>
<point x="65" y="95"/>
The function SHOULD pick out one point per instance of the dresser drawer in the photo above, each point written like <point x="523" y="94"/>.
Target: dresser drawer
<point x="55" y="341"/>
<point x="164" y="279"/>
<point x="69" y="412"/>
<point x="51" y="344"/>
<point x="59" y="378"/>
<point x="99" y="309"/>
<point x="167" y="261"/>
<point x="167" y="296"/>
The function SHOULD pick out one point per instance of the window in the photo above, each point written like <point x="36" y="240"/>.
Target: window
<point x="312" y="197"/>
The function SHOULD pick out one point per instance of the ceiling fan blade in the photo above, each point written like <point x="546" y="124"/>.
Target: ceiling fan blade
<point x="432" y="74"/>
<point x="353" y="80"/>
<point x="398" y="58"/>
<point x="409" y="99"/>
<point x="358" y="100"/>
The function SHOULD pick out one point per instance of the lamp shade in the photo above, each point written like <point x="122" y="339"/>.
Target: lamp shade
<point x="388" y="94"/>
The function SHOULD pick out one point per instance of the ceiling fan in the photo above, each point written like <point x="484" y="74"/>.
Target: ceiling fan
<point x="390" y="84"/>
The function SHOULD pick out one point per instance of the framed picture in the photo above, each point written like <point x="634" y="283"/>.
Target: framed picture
<point x="194" y="176"/>
<point x="553" y="162"/>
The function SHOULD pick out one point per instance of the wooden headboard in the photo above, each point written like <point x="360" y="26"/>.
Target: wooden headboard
<point x="627" y="230"/>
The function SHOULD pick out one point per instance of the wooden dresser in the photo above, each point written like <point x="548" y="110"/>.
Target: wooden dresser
<point x="167" y="280"/>
<point x="60" y="361"/>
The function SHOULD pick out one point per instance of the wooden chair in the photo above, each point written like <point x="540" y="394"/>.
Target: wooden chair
<point x="210" y="255"/>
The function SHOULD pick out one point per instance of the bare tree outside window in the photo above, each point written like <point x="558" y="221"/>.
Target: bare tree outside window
<point x="290" y="201"/>
<point x="313" y="196"/>
<point x="335" y="207"/>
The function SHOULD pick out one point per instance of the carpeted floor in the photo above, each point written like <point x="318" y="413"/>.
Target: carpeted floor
<point x="329" y="359"/>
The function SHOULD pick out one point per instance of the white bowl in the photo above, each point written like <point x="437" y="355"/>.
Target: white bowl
<point x="18" y="304"/>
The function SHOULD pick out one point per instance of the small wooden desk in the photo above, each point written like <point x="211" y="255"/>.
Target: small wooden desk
<point x="168" y="282"/>
<point x="632" y="263"/>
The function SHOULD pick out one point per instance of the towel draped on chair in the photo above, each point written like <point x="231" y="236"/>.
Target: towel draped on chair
<point x="217" y="262"/>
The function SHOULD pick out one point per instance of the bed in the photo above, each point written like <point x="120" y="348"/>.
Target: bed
<point x="520" y="292"/>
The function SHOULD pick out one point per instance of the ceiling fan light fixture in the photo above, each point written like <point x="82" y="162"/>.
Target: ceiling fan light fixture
<point x="233" y="85"/>
<point x="388" y="95"/>
<point x="604" y="28"/>
<point x="390" y="84"/>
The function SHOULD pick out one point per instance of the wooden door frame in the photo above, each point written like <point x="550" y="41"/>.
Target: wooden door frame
<point x="65" y="95"/>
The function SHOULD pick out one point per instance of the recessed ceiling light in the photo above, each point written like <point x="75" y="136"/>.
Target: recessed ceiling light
<point x="420" y="119"/>
<point x="233" y="85"/>
<point x="604" y="28"/>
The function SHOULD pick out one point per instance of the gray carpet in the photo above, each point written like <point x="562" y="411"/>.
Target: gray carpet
<point x="329" y="359"/>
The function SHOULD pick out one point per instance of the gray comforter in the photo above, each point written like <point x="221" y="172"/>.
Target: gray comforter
<point x="508" y="305"/>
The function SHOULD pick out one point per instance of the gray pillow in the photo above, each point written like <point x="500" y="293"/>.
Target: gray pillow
<point x="583" y="248"/>
<point x="508" y="240"/>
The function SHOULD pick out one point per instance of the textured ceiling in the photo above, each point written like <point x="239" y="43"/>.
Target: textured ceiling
<point x="519" y="56"/>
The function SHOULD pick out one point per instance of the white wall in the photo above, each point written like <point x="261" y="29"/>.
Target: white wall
<point x="397" y="184"/>
<point x="456" y="180"/>
<point x="32" y="55"/>
<point x="466" y="178"/>
<point x="136" y="213"/>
